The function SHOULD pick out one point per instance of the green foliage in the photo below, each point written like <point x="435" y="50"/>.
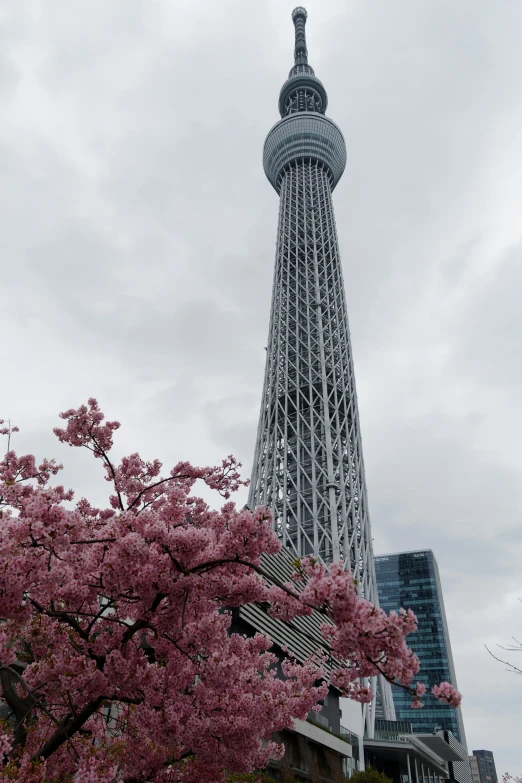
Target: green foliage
<point x="370" y="776"/>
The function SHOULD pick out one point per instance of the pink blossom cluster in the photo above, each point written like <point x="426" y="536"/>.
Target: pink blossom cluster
<point x="420" y="690"/>
<point x="116" y="655"/>
<point x="447" y="694"/>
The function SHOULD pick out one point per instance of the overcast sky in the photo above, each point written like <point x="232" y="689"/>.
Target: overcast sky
<point x="137" y="248"/>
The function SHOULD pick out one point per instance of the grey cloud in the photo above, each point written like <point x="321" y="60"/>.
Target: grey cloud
<point x="487" y="329"/>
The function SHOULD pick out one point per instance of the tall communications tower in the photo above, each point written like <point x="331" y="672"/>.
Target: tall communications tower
<point x="308" y="463"/>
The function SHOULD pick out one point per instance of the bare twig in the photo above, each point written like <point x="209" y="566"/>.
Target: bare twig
<point x="512" y="668"/>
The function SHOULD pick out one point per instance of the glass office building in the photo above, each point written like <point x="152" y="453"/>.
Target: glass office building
<point x="410" y="580"/>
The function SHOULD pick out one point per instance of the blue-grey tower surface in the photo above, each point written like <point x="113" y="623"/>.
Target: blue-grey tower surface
<point x="308" y="463"/>
<point x="410" y="580"/>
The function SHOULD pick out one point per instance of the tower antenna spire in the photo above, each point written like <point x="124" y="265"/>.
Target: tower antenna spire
<point x="299" y="16"/>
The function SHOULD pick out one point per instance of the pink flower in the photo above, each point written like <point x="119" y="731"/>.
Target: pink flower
<point x="5" y="745"/>
<point x="446" y="693"/>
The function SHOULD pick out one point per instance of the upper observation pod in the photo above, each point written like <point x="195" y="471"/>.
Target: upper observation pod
<point x="303" y="133"/>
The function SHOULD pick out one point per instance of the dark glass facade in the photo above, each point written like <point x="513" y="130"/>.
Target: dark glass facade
<point x="410" y="580"/>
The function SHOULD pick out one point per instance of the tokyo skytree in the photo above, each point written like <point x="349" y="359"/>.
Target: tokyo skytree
<point x="308" y="462"/>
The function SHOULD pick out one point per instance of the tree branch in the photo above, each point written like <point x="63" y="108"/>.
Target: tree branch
<point x="153" y="486"/>
<point x="67" y="729"/>
<point x="513" y="669"/>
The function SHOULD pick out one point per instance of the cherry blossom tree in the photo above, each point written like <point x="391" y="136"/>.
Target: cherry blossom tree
<point x="117" y="660"/>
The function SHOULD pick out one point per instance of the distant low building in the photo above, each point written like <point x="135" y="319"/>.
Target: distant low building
<point x="483" y="767"/>
<point x="410" y="580"/>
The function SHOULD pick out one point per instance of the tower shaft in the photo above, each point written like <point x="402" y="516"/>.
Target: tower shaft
<point x="308" y="464"/>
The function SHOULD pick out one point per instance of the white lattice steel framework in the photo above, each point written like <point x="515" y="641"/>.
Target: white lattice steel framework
<point x="308" y="464"/>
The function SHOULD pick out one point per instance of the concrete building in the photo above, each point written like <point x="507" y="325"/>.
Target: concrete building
<point x="318" y="748"/>
<point x="417" y="758"/>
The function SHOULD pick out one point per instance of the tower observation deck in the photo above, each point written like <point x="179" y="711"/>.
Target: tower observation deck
<point x="308" y="463"/>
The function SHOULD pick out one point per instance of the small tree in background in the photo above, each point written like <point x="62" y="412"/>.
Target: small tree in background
<point x="116" y="659"/>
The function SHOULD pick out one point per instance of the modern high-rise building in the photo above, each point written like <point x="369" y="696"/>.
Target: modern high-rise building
<point x="483" y="767"/>
<point x="410" y="580"/>
<point x="308" y="463"/>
